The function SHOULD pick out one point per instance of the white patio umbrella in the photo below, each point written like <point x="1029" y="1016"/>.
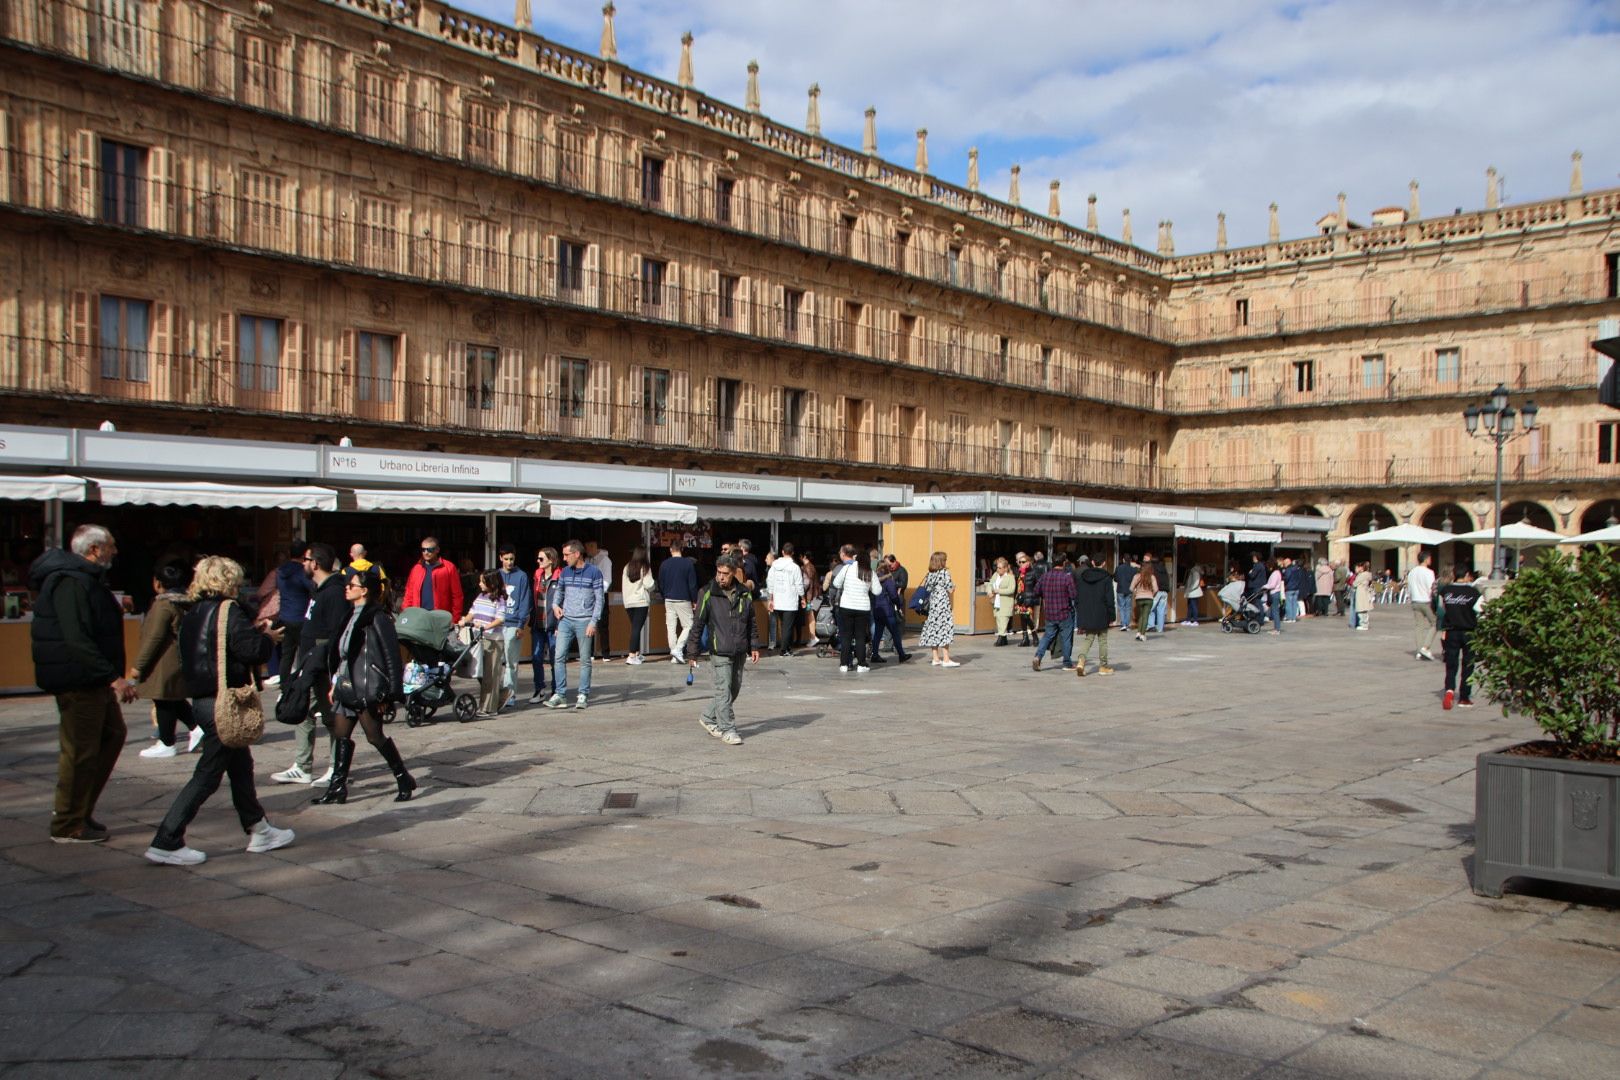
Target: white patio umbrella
<point x="1402" y="536"/>
<point x="1517" y="534"/>
<point x="1609" y="535"/>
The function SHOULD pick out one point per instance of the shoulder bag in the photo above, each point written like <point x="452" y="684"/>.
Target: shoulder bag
<point x="238" y="712"/>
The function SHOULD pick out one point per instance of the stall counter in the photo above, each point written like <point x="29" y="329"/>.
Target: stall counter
<point x="17" y="653"/>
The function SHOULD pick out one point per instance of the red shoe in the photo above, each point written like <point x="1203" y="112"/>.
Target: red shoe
<point x="1449" y="700"/>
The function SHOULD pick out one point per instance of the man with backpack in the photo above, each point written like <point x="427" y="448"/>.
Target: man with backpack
<point x="726" y="609"/>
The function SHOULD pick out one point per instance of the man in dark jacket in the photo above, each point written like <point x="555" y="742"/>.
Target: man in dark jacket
<point x="1458" y="605"/>
<point x="1124" y="574"/>
<point x="324" y="620"/>
<point x="294" y="587"/>
<point x="1057" y="608"/>
<point x="1095" y="606"/>
<point x="78" y="648"/>
<point x="726" y="610"/>
<point x="1258" y="574"/>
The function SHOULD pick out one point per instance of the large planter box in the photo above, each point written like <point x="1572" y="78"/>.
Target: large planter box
<point x="1545" y="818"/>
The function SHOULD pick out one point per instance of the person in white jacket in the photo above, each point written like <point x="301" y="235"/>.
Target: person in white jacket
<point x="637" y="589"/>
<point x="856" y="585"/>
<point x="784" y="593"/>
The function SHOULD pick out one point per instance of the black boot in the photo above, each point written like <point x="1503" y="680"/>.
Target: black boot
<point x="390" y="754"/>
<point x="337" y="791"/>
<point x="1001" y="639"/>
<point x="1026" y="643"/>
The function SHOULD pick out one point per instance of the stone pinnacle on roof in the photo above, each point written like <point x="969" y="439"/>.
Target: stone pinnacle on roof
<point x="812" y="116"/>
<point x="1220" y="231"/>
<point x="523" y="19"/>
<point x="1273" y="228"/>
<point x="1125" y="233"/>
<point x="751" y="99"/>
<point x="1054" y="209"/>
<point x="683" y="77"/>
<point x="1412" y="212"/>
<point x="1167" y="241"/>
<point x="922" y="151"/>
<point x="1343" y="223"/>
<point x="1575" y="184"/>
<point x="610" y="41"/>
<point x="869" y="133"/>
<point x="1012" y="188"/>
<point x="1091" y="211"/>
<point x="973" y="168"/>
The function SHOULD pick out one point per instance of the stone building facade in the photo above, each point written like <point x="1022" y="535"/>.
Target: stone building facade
<point x="396" y="222"/>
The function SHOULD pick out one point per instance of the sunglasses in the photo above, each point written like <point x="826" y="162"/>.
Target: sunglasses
<point x="430" y="551"/>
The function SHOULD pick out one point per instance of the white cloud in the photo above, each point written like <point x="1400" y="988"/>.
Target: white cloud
<point x="1175" y="108"/>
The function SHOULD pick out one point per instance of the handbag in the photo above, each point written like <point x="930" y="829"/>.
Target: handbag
<point x="919" y="599"/>
<point x="238" y="712"/>
<point x="292" y="707"/>
<point x="471" y="665"/>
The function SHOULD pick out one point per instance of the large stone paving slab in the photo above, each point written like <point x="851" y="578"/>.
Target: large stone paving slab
<point x="1238" y="857"/>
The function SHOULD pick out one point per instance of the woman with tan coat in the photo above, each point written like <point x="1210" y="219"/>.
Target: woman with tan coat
<point x="156" y="668"/>
<point x="1003" y="590"/>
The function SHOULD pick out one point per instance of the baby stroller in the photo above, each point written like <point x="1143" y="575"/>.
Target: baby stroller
<point x="826" y="626"/>
<point x="1248" y="614"/>
<point x="436" y="651"/>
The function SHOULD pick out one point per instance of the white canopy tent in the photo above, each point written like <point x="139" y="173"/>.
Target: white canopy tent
<point x="1402" y="536"/>
<point x="39" y="488"/>
<point x="448" y="502"/>
<point x="615" y="510"/>
<point x="207" y="493"/>
<point x="1518" y="534"/>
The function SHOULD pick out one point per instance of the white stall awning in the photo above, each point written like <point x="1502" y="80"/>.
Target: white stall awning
<point x="206" y="493"/>
<point x="446" y="502"/>
<point x="838" y="515"/>
<point x="1255" y="536"/>
<point x="1193" y="532"/>
<point x="66" y="488"/>
<point x="614" y="510"/>
<point x="1095" y="528"/>
<point x="740" y="512"/>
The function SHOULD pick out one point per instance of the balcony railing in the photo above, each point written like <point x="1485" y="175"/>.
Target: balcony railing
<point x="1418" y="471"/>
<point x="1210" y="390"/>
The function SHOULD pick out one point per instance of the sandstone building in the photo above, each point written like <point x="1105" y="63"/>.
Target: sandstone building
<point x="392" y="221"/>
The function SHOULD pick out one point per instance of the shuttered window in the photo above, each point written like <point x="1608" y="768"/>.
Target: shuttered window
<point x="258" y="346"/>
<point x="124" y="336"/>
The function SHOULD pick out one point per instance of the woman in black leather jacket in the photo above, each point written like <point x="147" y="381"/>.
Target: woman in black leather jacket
<point x="217" y="581"/>
<point x="366" y="674"/>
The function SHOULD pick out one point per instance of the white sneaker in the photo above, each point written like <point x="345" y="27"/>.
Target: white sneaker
<point x="949" y="663"/>
<point x="324" y="778"/>
<point x="731" y="738"/>
<point x="632" y="660"/>
<point x="934" y="663"/>
<point x="842" y="667"/>
<point x="266" y="837"/>
<point x="195" y="740"/>
<point x="861" y="670"/>
<point x="294" y="775"/>
<point x="181" y="856"/>
<point x="675" y="660"/>
<point x="274" y="680"/>
<point x="157" y="749"/>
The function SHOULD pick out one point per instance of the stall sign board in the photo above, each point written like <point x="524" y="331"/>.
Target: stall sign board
<point x="735" y="486"/>
<point x="592" y="480"/>
<point x="1104" y="510"/>
<point x="1150" y="512"/>
<point x="861" y="494"/>
<point x="1035" y="504"/>
<point x="1269" y="521"/>
<point x="403" y="467"/>
<point x="36" y="446"/>
<point x="201" y="459"/>
<point x="965" y="502"/>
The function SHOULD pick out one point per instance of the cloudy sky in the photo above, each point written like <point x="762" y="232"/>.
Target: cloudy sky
<point x="1176" y="109"/>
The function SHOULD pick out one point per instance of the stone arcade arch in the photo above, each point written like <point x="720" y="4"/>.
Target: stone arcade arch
<point x="1365" y="518"/>
<point x="1450" y="517"/>
<point x="1537" y="515"/>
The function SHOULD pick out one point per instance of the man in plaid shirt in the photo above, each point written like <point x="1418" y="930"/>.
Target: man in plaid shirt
<point x="1057" y="607"/>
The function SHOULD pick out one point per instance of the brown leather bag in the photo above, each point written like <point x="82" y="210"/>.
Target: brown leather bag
<point x="238" y="712"/>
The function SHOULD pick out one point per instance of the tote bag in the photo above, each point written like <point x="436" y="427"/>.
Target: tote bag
<point x="238" y="712"/>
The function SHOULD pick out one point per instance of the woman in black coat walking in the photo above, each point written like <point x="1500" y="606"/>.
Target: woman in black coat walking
<point x="366" y="675"/>
<point x="216" y="582"/>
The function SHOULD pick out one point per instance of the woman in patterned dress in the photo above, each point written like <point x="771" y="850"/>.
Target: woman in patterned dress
<point x="940" y="625"/>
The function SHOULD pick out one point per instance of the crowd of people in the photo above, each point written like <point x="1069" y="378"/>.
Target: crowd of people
<point x="327" y="625"/>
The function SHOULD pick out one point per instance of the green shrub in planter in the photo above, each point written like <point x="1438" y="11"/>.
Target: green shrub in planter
<point x="1549" y="648"/>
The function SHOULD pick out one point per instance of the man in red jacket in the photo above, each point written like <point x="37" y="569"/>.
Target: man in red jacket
<point x="434" y="583"/>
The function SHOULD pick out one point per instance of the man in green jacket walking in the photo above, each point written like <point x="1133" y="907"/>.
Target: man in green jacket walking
<point x="726" y="609"/>
<point x="78" y="647"/>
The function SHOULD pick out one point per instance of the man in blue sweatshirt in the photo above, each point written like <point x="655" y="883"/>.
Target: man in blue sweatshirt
<point x="296" y="590"/>
<point x="678" y="584"/>
<point x="582" y="597"/>
<point x="519" y="607"/>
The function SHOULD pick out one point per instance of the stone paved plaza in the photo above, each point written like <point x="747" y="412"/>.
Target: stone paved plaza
<point x="1238" y="857"/>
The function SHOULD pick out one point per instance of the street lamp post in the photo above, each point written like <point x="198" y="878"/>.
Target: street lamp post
<point x="1499" y="422"/>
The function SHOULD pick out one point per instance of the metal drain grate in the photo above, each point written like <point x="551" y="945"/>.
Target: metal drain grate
<point x="620" y="800"/>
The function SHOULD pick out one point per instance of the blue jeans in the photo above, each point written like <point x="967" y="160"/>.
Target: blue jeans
<point x="1292" y="610"/>
<point x="1063" y="629"/>
<point x="890" y="623"/>
<point x="540" y="653"/>
<point x="570" y="630"/>
<point x="1161" y="601"/>
<point x="1123" y="600"/>
<point x="1276" y="610"/>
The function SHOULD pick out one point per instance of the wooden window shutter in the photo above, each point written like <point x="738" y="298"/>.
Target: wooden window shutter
<point x="809" y="331"/>
<point x="509" y="390"/>
<point x="712" y="315"/>
<point x="295" y="373"/>
<point x="82" y="175"/>
<point x="227" y="364"/>
<point x="744" y="305"/>
<point x="448" y="399"/>
<point x="635" y="383"/>
<point x="5" y="156"/>
<point x="343" y="381"/>
<point x="548" y="400"/>
<point x="680" y="406"/>
<point x="632" y="299"/>
<point x="1586" y="443"/>
<point x="160" y="350"/>
<point x="780" y="315"/>
<point x="82" y="340"/>
<point x="599" y="399"/>
<point x="748" y="419"/>
<point x="776" y="438"/>
<point x="160" y="189"/>
<point x="593" y="275"/>
<point x="674" y="293"/>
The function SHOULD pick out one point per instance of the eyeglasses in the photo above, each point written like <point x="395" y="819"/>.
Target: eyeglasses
<point x="430" y="551"/>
